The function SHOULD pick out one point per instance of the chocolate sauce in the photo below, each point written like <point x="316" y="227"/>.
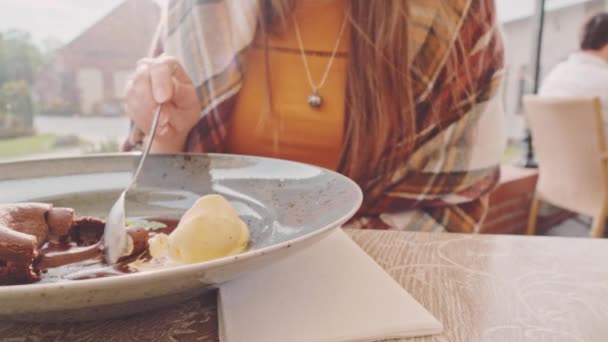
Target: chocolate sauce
<point x="57" y="246"/>
<point x="63" y="253"/>
<point x="76" y="260"/>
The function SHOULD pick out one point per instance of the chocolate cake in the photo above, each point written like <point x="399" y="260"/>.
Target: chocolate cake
<point x="18" y="252"/>
<point x="36" y="238"/>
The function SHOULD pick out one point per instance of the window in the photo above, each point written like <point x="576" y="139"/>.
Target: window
<point x="62" y="76"/>
<point x="560" y="37"/>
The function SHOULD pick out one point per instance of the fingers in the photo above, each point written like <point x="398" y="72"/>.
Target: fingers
<point x="162" y="80"/>
<point x="139" y="99"/>
<point x="185" y="101"/>
<point x="145" y="61"/>
<point x="164" y="120"/>
<point x="162" y="71"/>
<point x="175" y="67"/>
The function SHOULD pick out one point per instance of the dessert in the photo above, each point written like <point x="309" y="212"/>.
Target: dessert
<point x="17" y="254"/>
<point x="42" y="243"/>
<point x="197" y="237"/>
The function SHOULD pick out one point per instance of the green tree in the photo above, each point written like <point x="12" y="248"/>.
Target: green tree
<point x="20" y="62"/>
<point x="48" y="47"/>
<point x="16" y="99"/>
<point x="20" y="58"/>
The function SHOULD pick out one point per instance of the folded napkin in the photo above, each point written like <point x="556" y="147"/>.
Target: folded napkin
<point x="332" y="291"/>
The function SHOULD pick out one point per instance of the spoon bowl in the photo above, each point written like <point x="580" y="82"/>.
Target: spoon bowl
<point x="115" y="238"/>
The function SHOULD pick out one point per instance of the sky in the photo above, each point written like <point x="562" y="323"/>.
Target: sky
<point x="59" y="19"/>
<point x="509" y="10"/>
<point x="65" y="19"/>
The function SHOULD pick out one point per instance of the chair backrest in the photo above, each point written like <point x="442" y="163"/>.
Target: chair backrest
<point x="569" y="145"/>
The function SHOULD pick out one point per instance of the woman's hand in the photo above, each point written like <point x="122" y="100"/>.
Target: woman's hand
<point x="163" y="80"/>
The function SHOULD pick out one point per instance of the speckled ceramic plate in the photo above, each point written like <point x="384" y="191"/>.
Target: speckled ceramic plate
<point x="287" y="206"/>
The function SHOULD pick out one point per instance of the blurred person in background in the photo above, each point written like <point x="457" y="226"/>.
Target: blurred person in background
<point x="585" y="72"/>
<point x="400" y="96"/>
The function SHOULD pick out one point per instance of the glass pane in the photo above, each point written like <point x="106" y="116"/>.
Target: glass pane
<point x="562" y="26"/>
<point x="62" y="76"/>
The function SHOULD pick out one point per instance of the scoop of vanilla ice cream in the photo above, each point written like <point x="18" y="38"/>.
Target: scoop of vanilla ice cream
<point x="210" y="229"/>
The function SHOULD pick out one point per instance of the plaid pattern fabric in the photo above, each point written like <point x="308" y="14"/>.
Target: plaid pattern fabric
<point x="456" y="65"/>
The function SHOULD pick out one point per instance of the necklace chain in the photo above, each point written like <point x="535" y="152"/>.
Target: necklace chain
<point x="316" y="87"/>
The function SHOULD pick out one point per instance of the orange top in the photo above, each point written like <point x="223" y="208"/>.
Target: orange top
<point x="302" y="133"/>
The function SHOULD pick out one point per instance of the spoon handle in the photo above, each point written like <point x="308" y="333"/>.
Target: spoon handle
<point x="147" y="147"/>
<point x="150" y="139"/>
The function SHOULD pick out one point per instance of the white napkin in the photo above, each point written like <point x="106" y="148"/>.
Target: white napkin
<point x="332" y="291"/>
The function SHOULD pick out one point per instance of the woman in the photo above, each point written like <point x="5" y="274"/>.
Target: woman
<point x="401" y="96"/>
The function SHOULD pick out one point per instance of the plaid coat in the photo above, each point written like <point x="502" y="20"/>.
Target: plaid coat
<point x="445" y="182"/>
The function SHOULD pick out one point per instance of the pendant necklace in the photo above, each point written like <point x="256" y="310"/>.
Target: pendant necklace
<point x="315" y="100"/>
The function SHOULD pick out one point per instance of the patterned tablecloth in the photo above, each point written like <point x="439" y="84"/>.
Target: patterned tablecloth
<point x="481" y="287"/>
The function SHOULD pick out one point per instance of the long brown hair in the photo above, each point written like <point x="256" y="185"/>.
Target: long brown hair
<point x="378" y="95"/>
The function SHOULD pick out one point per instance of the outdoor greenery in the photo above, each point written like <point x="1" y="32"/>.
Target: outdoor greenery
<point x="16" y="99"/>
<point x="44" y="143"/>
<point x="20" y="61"/>
<point x="20" y="58"/>
<point x="26" y="145"/>
<point x="513" y="153"/>
<point x="107" y="146"/>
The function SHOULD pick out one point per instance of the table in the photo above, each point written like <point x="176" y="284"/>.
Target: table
<point x="482" y="287"/>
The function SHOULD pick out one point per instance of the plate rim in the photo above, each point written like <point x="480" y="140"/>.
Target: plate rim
<point x="137" y="277"/>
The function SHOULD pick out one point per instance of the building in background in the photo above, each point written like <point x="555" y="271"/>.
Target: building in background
<point x="563" y="22"/>
<point x="88" y="75"/>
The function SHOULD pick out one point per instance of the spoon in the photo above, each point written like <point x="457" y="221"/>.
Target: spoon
<point x="115" y="238"/>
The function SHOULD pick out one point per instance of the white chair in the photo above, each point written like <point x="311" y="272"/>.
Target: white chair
<point x="570" y="148"/>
